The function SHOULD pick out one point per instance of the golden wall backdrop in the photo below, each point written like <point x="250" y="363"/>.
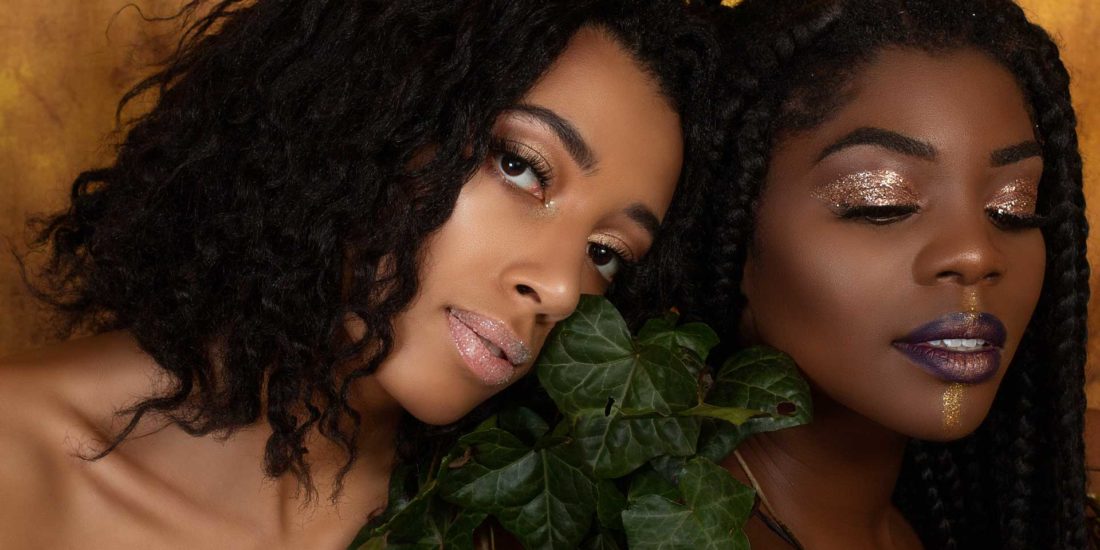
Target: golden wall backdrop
<point x="63" y="66"/>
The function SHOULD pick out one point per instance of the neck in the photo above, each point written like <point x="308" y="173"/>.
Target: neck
<point x="223" y="476"/>
<point x="838" y="471"/>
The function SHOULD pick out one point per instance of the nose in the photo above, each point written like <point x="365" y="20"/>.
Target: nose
<point x="963" y="252"/>
<point x="548" y="287"/>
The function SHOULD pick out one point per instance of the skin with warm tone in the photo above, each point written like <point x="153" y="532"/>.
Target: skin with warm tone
<point x="519" y="249"/>
<point x="910" y="203"/>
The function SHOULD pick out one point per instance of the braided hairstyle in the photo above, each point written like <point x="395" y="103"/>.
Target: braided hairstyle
<point x="1018" y="481"/>
<point x="295" y="159"/>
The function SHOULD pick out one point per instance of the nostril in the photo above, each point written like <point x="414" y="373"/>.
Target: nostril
<point x="525" y="290"/>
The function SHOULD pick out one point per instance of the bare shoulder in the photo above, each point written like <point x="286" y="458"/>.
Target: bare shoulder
<point x="54" y="403"/>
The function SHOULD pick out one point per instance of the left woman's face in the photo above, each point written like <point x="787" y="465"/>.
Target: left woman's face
<point x="895" y="256"/>
<point x="582" y="173"/>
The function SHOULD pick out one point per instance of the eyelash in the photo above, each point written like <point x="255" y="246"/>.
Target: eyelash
<point x="621" y="251"/>
<point x="541" y="168"/>
<point x="1012" y="222"/>
<point x="879" y="215"/>
<point x="885" y="215"/>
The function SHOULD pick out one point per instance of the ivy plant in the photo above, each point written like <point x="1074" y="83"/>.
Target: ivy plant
<point x="627" y="456"/>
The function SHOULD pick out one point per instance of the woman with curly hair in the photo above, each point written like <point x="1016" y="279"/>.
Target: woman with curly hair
<point x="906" y="220"/>
<point x="335" y="215"/>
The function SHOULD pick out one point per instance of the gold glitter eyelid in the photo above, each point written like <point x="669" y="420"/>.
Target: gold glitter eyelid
<point x="1018" y="197"/>
<point x="867" y="188"/>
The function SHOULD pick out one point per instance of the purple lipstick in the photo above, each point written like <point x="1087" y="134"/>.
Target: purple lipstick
<point x="958" y="347"/>
<point x="488" y="347"/>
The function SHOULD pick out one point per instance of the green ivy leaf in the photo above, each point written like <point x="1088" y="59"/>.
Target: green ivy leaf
<point x="714" y="510"/>
<point x="523" y="423"/>
<point x="767" y="380"/>
<point x="610" y="504"/>
<point x="602" y="541"/>
<point x="622" y="393"/>
<point x="616" y="445"/>
<point x="543" y="496"/>
<point x="591" y="358"/>
<point x="648" y="481"/>
<point x="663" y="332"/>
<point x="757" y="378"/>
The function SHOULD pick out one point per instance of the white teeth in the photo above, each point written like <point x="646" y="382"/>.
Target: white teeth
<point x="959" y="344"/>
<point x="493" y="349"/>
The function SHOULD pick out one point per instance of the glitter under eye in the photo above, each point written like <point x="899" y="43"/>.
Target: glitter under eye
<point x="867" y="188"/>
<point x="1017" y="198"/>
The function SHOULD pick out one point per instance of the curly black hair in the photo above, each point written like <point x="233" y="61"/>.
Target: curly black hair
<point x="296" y="156"/>
<point x="1018" y="481"/>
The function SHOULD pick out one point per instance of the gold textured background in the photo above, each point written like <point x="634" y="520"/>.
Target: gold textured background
<point x="63" y="66"/>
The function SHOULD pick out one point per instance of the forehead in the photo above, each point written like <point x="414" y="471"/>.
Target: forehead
<point x="620" y="112"/>
<point x="942" y="97"/>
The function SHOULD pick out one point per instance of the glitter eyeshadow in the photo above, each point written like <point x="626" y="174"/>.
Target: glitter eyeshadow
<point x="868" y="188"/>
<point x="952" y="405"/>
<point x="1017" y="198"/>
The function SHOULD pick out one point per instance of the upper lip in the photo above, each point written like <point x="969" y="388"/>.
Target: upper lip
<point x="983" y="326"/>
<point x="495" y="331"/>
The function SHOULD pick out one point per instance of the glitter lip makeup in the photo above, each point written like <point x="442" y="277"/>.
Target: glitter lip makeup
<point x="488" y="347"/>
<point x="958" y="347"/>
<point x="868" y="188"/>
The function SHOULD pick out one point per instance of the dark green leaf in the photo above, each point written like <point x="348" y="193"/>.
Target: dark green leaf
<point x="648" y="481"/>
<point x="523" y="423"/>
<point x="766" y="380"/>
<point x="712" y="516"/>
<point x="603" y="541"/>
<point x="717" y="439"/>
<point x="610" y="504"/>
<point x="663" y="332"/>
<point x="616" y="445"/>
<point x="543" y="496"/>
<point x="591" y="358"/>
<point x="621" y="394"/>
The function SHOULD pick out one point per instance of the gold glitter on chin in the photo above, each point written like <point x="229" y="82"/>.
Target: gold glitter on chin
<point x="868" y="188"/>
<point x="952" y="405"/>
<point x="1017" y="198"/>
<point x="970" y="300"/>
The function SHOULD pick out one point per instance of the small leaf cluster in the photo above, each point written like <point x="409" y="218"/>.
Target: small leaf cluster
<point x="628" y="456"/>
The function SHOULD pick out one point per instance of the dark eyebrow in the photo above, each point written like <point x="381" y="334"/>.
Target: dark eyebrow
<point x="644" y="217"/>
<point x="1015" y="153"/>
<point x="882" y="138"/>
<point x="576" y="145"/>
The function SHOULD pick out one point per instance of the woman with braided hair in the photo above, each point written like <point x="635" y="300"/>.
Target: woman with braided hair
<point x="904" y="217"/>
<point x="340" y="221"/>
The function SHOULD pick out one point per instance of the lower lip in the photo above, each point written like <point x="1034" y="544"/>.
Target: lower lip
<point x="490" y="369"/>
<point x="969" y="367"/>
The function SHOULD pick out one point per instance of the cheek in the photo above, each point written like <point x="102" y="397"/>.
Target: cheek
<point x="814" y="293"/>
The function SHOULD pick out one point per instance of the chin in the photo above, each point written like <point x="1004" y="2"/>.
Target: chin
<point x="948" y="420"/>
<point x="439" y="412"/>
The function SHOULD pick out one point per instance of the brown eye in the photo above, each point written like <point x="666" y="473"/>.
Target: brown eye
<point x="512" y="165"/>
<point x="606" y="259"/>
<point x="528" y="174"/>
